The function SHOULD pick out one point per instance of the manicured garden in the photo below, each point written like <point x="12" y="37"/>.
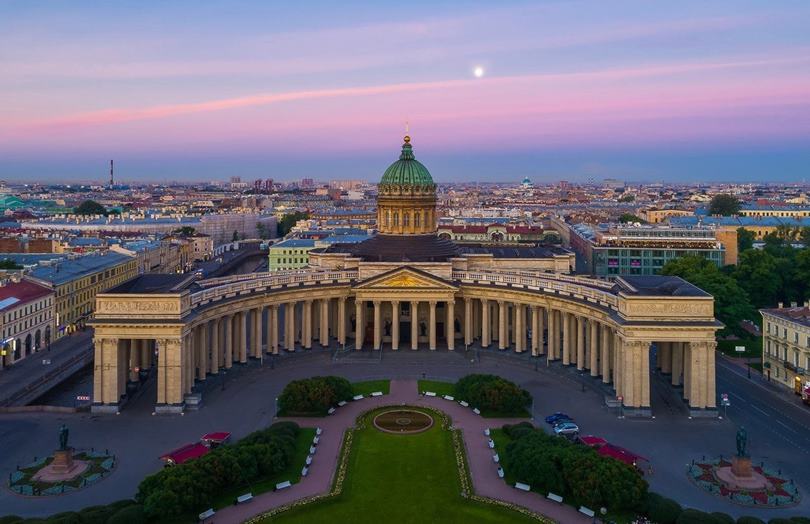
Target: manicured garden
<point x="401" y="478"/>
<point x="314" y="396"/>
<point x="494" y="396"/>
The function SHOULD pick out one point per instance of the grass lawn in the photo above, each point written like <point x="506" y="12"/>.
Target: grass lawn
<point x="370" y="386"/>
<point x="753" y="347"/>
<point x="292" y="473"/>
<point x="402" y="479"/>
<point x="440" y="388"/>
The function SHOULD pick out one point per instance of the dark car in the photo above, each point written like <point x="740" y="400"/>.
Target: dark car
<point x="557" y="417"/>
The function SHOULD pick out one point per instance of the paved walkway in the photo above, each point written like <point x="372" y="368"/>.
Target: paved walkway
<point x="482" y="469"/>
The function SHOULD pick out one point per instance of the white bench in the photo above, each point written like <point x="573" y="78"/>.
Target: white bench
<point x="476" y="411"/>
<point x="430" y="394"/>
<point x="282" y="485"/>
<point x="247" y="497"/>
<point x="318" y="431"/>
<point x="309" y="460"/>
<point x="491" y="444"/>
<point x="341" y="403"/>
<point x="486" y="432"/>
<point x="377" y="393"/>
<point x="358" y="397"/>
<point x="331" y="410"/>
<point x="554" y="497"/>
<point x="522" y="487"/>
<point x="464" y="404"/>
<point x="587" y="511"/>
<point x="316" y="439"/>
<point x="207" y="514"/>
<point x="312" y="450"/>
<point x="500" y="472"/>
<point x="304" y="471"/>
<point x="496" y="458"/>
<point x="448" y="397"/>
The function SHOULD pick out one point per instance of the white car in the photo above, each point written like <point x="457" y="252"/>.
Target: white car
<point x="566" y="428"/>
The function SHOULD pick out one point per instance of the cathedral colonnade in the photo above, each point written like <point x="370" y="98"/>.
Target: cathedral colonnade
<point x="190" y="335"/>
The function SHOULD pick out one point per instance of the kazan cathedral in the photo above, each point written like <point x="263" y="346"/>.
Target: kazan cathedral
<point x="407" y="289"/>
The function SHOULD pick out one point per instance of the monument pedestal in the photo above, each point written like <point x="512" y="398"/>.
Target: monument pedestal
<point x="741" y="467"/>
<point x="741" y="475"/>
<point x="62" y="467"/>
<point x="62" y="461"/>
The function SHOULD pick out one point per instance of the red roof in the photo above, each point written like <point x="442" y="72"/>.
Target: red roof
<point x="626" y="456"/>
<point x="594" y="442"/>
<point x="217" y="436"/>
<point x="186" y="453"/>
<point x="24" y="291"/>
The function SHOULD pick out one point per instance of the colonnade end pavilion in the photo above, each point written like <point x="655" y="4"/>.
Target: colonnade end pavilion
<point x="406" y="289"/>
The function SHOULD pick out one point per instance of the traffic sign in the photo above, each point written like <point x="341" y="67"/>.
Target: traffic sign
<point x="739" y="349"/>
<point x="82" y="397"/>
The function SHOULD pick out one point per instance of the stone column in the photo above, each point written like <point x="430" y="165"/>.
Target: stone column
<point x="485" y="323"/>
<point x="146" y="354"/>
<point x="395" y="325"/>
<point x="710" y="392"/>
<point x="377" y="324"/>
<point x="306" y="324"/>
<point x="341" y="319"/>
<point x="188" y="363"/>
<point x="567" y="335"/>
<point x="253" y="346"/>
<point x="580" y="342"/>
<point x="414" y="324"/>
<point x="108" y="357"/>
<point x="450" y="325"/>
<point x="687" y="369"/>
<point x="501" y="324"/>
<point x="468" y="321"/>
<point x="618" y="365"/>
<point x="432" y="325"/>
<point x="676" y="368"/>
<point x="243" y="337"/>
<point x="520" y="328"/>
<point x="289" y="326"/>
<point x="665" y="357"/>
<point x="553" y="335"/>
<point x="359" y="331"/>
<point x="604" y="358"/>
<point x="594" y="348"/>
<point x="268" y="333"/>
<point x="228" y="324"/>
<point x="274" y="327"/>
<point x="169" y="379"/>
<point x="215" y="346"/>
<point x="133" y="358"/>
<point x="202" y="351"/>
<point x="324" y="318"/>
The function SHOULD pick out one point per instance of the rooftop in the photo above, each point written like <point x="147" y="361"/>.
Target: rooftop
<point x="66" y="269"/>
<point x="797" y="314"/>
<point x="15" y="294"/>
<point x="658" y="286"/>
<point x="154" y="283"/>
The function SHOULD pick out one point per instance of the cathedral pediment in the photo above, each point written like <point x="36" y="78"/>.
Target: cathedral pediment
<point x="405" y="278"/>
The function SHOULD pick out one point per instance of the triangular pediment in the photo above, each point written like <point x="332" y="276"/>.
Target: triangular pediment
<point x="405" y="278"/>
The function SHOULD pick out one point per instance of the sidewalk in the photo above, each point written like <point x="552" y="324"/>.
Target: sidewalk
<point x="482" y="469"/>
<point x="17" y="377"/>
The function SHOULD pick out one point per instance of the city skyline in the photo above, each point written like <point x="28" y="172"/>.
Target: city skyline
<point x="568" y="90"/>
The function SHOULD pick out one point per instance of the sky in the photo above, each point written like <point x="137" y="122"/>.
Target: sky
<point x="571" y="90"/>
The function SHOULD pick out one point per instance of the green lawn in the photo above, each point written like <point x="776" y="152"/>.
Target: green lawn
<point x="440" y="388"/>
<point x="370" y="386"/>
<point x="402" y="479"/>
<point x="753" y="347"/>
<point x="292" y="473"/>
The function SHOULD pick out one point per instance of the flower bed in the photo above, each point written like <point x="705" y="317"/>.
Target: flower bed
<point x="782" y="493"/>
<point x="22" y="482"/>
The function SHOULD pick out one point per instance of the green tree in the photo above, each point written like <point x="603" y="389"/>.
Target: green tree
<point x="630" y="217"/>
<point x="724" y="204"/>
<point x="235" y="236"/>
<point x="90" y="207"/>
<point x="756" y="273"/>
<point x="288" y="221"/>
<point x="186" y="231"/>
<point x="804" y="236"/>
<point x="8" y="263"/>
<point x="745" y="239"/>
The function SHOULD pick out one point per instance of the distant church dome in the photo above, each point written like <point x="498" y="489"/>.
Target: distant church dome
<point x="407" y="171"/>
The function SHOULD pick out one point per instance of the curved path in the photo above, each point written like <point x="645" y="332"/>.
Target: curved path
<point x="482" y="469"/>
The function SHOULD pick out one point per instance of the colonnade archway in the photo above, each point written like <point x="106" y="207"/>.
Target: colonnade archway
<point x="602" y="331"/>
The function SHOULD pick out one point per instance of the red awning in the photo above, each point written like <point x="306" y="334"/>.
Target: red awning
<point x="626" y="456"/>
<point x="218" y="437"/>
<point x="594" y="442"/>
<point x="185" y="453"/>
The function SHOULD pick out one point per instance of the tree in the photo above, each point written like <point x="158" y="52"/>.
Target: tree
<point x="724" y="204"/>
<point x="627" y="198"/>
<point x="289" y="220"/>
<point x="804" y="236"/>
<point x="492" y="393"/>
<point x="745" y="239"/>
<point x="630" y="217"/>
<point x="261" y="229"/>
<point x="185" y="231"/>
<point x="235" y="236"/>
<point x="756" y="273"/>
<point x="8" y="263"/>
<point x="90" y="207"/>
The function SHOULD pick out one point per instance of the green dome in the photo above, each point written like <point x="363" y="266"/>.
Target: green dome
<point x="407" y="171"/>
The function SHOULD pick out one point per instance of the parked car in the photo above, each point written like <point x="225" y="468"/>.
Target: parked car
<point x="566" y="428"/>
<point x="558" y="417"/>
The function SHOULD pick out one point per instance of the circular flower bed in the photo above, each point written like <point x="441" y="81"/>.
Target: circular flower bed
<point x="403" y="421"/>
<point x="781" y="491"/>
<point x="99" y="465"/>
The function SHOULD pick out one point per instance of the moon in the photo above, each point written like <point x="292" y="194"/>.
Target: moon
<point x="478" y="71"/>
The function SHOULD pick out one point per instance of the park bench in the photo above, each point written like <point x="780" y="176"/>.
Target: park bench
<point x="316" y="439"/>
<point x="554" y="497"/>
<point x="283" y="485"/>
<point x="309" y="460"/>
<point x="377" y="393"/>
<point x="448" y="397"/>
<point x="500" y="473"/>
<point x="430" y="394"/>
<point x="464" y="404"/>
<point x="331" y="410"/>
<point x="491" y="444"/>
<point x="304" y="471"/>
<point x="496" y="458"/>
<point x="358" y="397"/>
<point x="476" y="411"/>
<point x="247" y="497"/>
<point x="341" y="403"/>
<point x="207" y="514"/>
<point x="522" y="487"/>
<point x="312" y="450"/>
<point x="318" y="432"/>
<point x="486" y="432"/>
<point x="587" y="511"/>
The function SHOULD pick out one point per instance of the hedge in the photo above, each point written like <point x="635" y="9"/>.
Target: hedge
<point x="313" y="396"/>
<point x="493" y="393"/>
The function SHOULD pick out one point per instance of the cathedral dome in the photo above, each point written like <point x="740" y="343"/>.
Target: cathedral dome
<point x="407" y="171"/>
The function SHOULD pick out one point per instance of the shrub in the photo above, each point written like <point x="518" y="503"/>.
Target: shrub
<point x="800" y="520"/>
<point x="749" y="520"/>
<point x="492" y="393"/>
<point x="132" y="514"/>
<point x="10" y="519"/>
<point x="693" y="516"/>
<point x="661" y="509"/>
<point x="314" y="395"/>
<point x="723" y="518"/>
<point x="780" y="521"/>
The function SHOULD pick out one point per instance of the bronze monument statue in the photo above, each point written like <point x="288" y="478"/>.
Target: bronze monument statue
<point x="742" y="441"/>
<point x="63" y="437"/>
